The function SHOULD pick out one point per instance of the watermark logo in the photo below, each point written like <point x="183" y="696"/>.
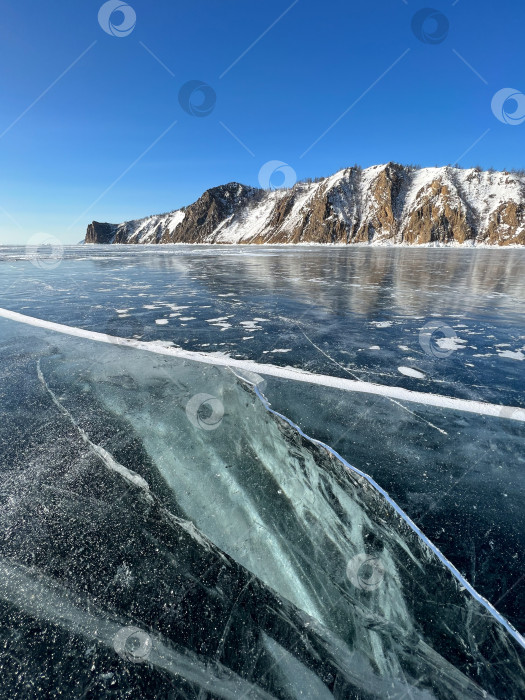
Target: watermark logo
<point x="197" y="98"/>
<point x="285" y="172"/>
<point x="132" y="644"/>
<point x="111" y="23"/>
<point x="437" y="339"/>
<point x="45" y="251"/>
<point x="430" y="26"/>
<point x="366" y="572"/>
<point x="205" y="411"/>
<point x="253" y="378"/>
<point x="508" y="105"/>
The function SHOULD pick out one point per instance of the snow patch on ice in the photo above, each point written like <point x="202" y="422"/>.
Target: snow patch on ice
<point x="410" y="372"/>
<point x="518" y="355"/>
<point x="451" y="344"/>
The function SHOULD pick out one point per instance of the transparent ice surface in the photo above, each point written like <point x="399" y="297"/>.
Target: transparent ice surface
<point x="459" y="476"/>
<point x="164" y="534"/>
<point x="349" y="312"/>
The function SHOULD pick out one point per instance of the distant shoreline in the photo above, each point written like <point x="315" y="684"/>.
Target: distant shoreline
<point x="426" y="246"/>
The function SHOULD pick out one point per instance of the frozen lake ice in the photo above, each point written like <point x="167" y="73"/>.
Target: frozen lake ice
<point x="129" y="475"/>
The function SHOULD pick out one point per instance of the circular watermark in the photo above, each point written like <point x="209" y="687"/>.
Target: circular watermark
<point x="269" y="170"/>
<point x="123" y="328"/>
<point x="253" y="378"/>
<point x="205" y="411"/>
<point x="132" y="644"/>
<point x="197" y="98"/>
<point x="45" y="251"/>
<point x="508" y="105"/>
<point x="433" y="339"/>
<point x="108" y="18"/>
<point x="430" y="26"/>
<point x="365" y="571"/>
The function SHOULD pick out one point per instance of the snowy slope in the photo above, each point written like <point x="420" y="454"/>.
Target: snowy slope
<point x="383" y="204"/>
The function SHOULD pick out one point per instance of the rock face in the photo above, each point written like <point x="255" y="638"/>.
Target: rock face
<point x="100" y="233"/>
<point x="384" y="204"/>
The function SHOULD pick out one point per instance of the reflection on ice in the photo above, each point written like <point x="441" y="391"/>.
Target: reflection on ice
<point x="364" y="308"/>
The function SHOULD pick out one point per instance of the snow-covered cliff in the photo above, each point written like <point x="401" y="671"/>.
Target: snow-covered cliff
<point x="384" y="204"/>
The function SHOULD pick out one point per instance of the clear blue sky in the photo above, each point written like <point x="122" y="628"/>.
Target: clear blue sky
<point x="288" y="89"/>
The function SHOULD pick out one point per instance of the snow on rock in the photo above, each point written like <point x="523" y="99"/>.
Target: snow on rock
<point x="381" y="205"/>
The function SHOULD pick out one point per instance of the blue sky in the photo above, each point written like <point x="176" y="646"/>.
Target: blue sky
<point x="89" y="148"/>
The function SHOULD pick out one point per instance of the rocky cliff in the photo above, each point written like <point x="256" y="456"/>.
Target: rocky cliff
<point x="384" y="204"/>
